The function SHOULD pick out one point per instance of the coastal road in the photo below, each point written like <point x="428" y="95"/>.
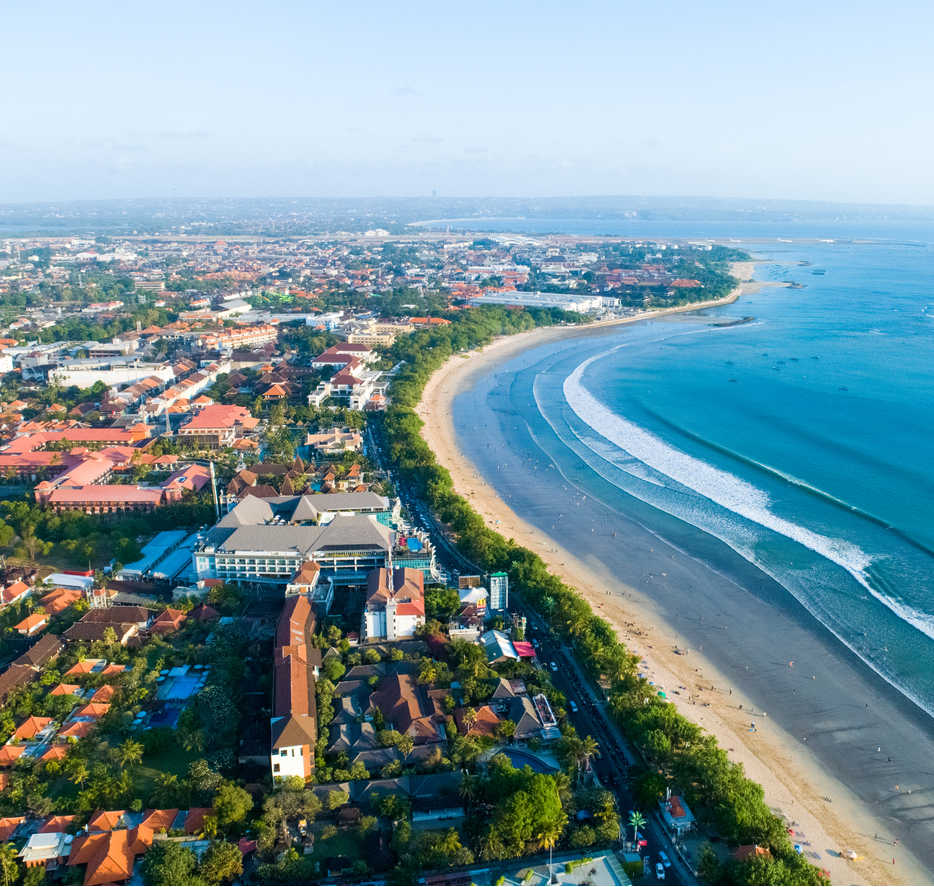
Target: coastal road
<point x="617" y="757"/>
<point x="592" y="717"/>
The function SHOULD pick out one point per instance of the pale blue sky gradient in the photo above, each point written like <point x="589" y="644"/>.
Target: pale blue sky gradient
<point x="816" y="100"/>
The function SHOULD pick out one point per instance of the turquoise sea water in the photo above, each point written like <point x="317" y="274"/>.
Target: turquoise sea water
<point x="801" y="439"/>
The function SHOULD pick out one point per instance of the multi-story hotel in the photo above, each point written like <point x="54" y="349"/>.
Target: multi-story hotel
<point x="266" y="541"/>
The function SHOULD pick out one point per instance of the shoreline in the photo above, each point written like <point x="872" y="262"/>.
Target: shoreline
<point x="793" y="778"/>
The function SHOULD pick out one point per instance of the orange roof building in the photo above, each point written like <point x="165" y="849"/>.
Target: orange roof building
<point x="60" y="599"/>
<point x="9" y="825"/>
<point x="168" y="621"/>
<point x="105" y="820"/>
<point x="294" y="721"/>
<point x="83" y="667"/>
<point x="103" y="693"/>
<point x="56" y="824"/>
<point x="275" y="392"/>
<point x="218" y="424"/>
<point x="55" y="753"/>
<point x="109" y="856"/>
<point x="9" y="754"/>
<point x="32" y="624"/>
<point x="76" y="730"/>
<point x="30" y="728"/>
<point x="485" y="724"/>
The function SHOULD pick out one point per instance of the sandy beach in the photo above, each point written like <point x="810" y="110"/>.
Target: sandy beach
<point x="830" y="818"/>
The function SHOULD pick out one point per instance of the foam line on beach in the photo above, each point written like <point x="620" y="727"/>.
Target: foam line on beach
<point x="721" y="487"/>
<point x="734" y="495"/>
<point x="803" y="485"/>
<point x="746" y="549"/>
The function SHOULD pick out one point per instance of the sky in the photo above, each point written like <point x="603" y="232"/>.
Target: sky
<point x="818" y="100"/>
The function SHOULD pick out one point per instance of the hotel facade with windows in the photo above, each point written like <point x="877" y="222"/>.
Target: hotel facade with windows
<point x="266" y="541"/>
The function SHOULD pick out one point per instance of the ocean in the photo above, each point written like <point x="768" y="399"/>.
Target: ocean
<point x="800" y="439"/>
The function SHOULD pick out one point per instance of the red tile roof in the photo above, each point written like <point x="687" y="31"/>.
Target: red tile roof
<point x="220" y="416"/>
<point x="30" y="728"/>
<point x="402" y="584"/>
<point x="9" y="753"/>
<point x="104" y="693"/>
<point x="8" y="825"/>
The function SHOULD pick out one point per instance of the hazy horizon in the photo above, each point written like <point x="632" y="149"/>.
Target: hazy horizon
<point x="210" y="101"/>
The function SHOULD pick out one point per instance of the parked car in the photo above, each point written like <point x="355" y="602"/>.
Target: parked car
<point x="659" y="871"/>
<point x="663" y="859"/>
<point x="553" y="666"/>
<point x="572" y="705"/>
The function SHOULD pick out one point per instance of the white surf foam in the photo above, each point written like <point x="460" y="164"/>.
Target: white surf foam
<point x="720" y="487"/>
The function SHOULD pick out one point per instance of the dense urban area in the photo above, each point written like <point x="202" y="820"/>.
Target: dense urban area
<point x="250" y="632"/>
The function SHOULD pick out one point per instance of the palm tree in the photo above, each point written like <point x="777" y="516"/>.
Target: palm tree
<point x="129" y="752"/>
<point x="637" y="821"/>
<point x="78" y="771"/>
<point x="547" y="839"/>
<point x="507" y="730"/>
<point x="9" y="867"/>
<point x="589" y="748"/>
<point x="405" y="745"/>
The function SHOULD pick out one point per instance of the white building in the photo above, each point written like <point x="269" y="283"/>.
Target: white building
<point x="395" y="604"/>
<point x="584" y="304"/>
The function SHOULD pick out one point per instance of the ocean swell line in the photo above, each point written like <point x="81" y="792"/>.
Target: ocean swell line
<point x="720" y="487"/>
<point x="802" y="485"/>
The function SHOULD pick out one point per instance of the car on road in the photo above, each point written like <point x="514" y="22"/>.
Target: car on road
<point x="659" y="871"/>
<point x="663" y="859"/>
<point x="552" y="666"/>
<point x="572" y="705"/>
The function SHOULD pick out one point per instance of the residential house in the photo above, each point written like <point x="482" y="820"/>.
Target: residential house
<point x="60" y="599"/>
<point x="14" y="593"/>
<point x="48" y="849"/>
<point x="395" y="604"/>
<point x="410" y="708"/>
<point x="485" y="722"/>
<point x="32" y="624"/>
<point x="168" y="621"/>
<point x="127" y="622"/>
<point x="26" y="668"/>
<point x="498" y="646"/>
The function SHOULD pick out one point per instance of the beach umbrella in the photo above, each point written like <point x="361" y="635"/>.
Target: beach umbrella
<point x="662" y="694"/>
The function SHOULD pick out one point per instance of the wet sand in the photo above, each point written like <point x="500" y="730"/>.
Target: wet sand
<point x="818" y="721"/>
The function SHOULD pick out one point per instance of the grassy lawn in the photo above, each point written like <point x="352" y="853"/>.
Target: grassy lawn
<point x="345" y="843"/>
<point x="172" y="760"/>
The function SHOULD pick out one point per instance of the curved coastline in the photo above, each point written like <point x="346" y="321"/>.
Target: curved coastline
<point x="795" y="779"/>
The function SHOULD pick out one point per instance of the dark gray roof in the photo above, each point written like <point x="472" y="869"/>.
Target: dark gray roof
<point x="309" y="508"/>
<point x="343" y="532"/>
<point x="249" y="511"/>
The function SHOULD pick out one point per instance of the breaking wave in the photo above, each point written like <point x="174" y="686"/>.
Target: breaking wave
<point x="721" y="487"/>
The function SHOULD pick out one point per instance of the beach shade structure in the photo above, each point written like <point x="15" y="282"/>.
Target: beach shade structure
<point x="663" y="694"/>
